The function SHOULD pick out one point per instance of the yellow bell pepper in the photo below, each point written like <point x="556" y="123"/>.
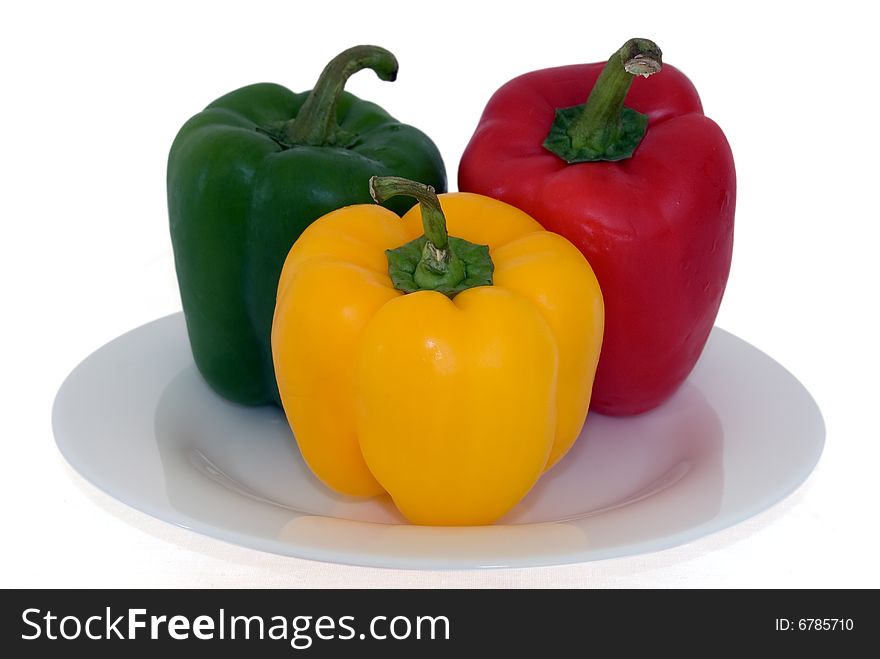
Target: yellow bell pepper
<point x="449" y="374"/>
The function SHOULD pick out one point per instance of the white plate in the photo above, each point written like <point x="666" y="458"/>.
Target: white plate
<point x="136" y="419"/>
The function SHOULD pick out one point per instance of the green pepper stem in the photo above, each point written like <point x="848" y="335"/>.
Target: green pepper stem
<point x="600" y="120"/>
<point x="315" y="123"/>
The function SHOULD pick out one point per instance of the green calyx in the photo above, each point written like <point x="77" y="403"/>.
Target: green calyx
<point x="435" y="261"/>
<point x="602" y="128"/>
<point x="315" y="124"/>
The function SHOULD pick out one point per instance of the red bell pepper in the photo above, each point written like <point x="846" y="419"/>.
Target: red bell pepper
<point x="647" y="192"/>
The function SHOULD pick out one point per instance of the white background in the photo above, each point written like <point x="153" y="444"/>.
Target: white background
<point x="93" y="94"/>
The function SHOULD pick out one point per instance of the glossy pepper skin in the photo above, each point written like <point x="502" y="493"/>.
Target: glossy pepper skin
<point x="245" y="177"/>
<point x="455" y="407"/>
<point x="657" y="227"/>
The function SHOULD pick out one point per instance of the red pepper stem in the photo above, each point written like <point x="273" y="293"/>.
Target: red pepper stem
<point x="315" y="123"/>
<point x="600" y="120"/>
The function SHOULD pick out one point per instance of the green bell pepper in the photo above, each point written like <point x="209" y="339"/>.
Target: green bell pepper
<point x="246" y="176"/>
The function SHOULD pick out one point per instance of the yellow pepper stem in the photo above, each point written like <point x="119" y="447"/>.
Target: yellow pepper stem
<point x="383" y="188"/>
<point x="434" y="261"/>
